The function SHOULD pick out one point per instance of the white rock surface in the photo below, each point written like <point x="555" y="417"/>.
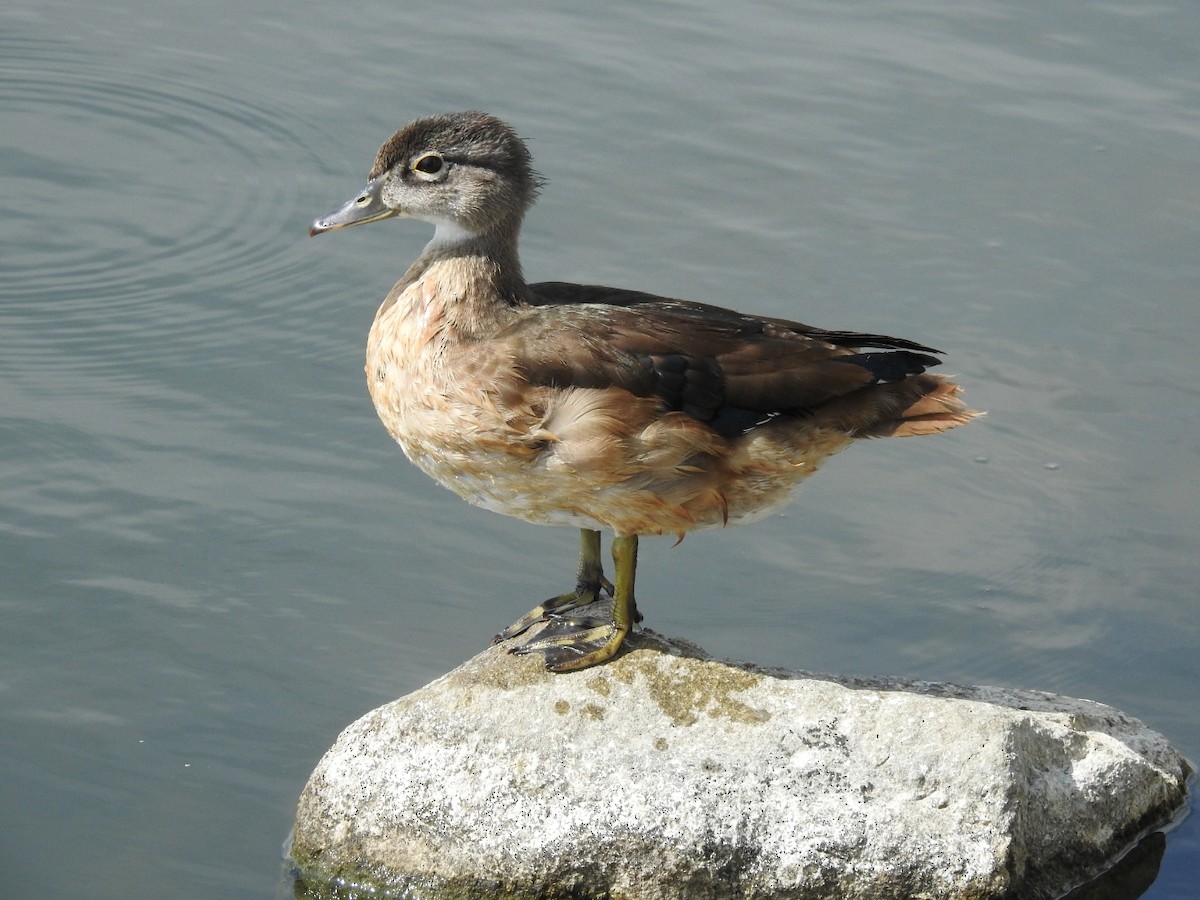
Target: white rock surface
<point x="666" y="774"/>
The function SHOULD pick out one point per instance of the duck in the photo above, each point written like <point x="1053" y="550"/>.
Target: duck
<point x="599" y="408"/>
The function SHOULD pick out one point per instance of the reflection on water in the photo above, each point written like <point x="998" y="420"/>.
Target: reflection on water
<point x="1129" y="879"/>
<point x="212" y="558"/>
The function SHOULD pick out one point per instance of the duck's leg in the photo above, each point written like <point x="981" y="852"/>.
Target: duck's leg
<point x="568" y="644"/>
<point x="589" y="583"/>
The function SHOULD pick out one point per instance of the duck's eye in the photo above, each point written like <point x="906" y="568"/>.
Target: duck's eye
<point x="429" y="164"/>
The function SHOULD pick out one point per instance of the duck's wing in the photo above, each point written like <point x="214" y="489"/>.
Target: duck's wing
<point x="727" y="369"/>
<point x="562" y="293"/>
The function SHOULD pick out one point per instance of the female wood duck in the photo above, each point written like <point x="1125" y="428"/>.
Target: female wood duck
<point x="597" y="407"/>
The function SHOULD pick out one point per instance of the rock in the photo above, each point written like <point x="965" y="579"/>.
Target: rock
<point x="668" y="774"/>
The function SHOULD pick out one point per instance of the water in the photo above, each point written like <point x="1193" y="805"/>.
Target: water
<point x="211" y="556"/>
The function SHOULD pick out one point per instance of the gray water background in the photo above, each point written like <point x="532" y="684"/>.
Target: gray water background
<point x="211" y="556"/>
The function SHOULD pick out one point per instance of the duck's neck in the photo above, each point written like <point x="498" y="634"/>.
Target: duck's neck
<point x="477" y="278"/>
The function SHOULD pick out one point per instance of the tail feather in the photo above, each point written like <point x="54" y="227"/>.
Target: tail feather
<point x="939" y="410"/>
<point x="922" y="404"/>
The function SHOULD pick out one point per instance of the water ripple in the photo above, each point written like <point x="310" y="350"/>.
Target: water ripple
<point x="118" y="242"/>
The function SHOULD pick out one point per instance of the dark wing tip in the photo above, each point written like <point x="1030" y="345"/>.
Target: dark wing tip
<point x="891" y="365"/>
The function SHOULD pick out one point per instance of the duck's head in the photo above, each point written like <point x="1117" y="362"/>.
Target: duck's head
<point x="468" y="173"/>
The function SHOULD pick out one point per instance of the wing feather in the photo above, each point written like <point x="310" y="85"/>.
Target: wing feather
<point x="728" y="369"/>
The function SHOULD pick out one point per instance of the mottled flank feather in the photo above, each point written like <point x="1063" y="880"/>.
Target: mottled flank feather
<point x="637" y="419"/>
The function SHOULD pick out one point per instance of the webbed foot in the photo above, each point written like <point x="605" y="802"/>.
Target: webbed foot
<point x="569" y="643"/>
<point x="549" y="610"/>
<point x="590" y="587"/>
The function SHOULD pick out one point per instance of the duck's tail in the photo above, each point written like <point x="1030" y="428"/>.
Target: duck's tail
<point x="920" y="404"/>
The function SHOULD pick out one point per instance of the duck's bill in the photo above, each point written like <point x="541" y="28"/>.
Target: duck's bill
<point x="367" y="206"/>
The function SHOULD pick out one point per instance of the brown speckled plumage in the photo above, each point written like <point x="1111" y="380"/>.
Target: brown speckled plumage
<point x="596" y="407"/>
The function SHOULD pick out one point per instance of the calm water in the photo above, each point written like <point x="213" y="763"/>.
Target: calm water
<point x="212" y="558"/>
